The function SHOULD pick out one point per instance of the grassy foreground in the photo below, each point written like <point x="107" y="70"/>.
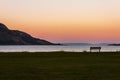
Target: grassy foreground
<point x="60" y="66"/>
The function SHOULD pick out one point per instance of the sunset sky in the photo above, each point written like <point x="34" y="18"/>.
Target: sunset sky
<point x="93" y="21"/>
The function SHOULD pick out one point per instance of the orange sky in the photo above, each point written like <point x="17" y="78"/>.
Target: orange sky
<point x="94" y="21"/>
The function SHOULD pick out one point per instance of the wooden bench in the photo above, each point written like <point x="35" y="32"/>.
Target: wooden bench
<point x="95" y="48"/>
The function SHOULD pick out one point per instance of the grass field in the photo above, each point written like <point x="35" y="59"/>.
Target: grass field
<point x="60" y="66"/>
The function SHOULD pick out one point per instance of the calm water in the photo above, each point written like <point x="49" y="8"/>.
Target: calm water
<point x="37" y="48"/>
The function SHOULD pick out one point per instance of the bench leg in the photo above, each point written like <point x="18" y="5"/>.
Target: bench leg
<point x="90" y="50"/>
<point x="99" y="50"/>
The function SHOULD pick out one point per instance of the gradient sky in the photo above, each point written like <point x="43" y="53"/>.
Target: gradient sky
<point x="95" y="21"/>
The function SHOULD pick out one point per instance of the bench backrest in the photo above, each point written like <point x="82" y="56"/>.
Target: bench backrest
<point x="95" y="47"/>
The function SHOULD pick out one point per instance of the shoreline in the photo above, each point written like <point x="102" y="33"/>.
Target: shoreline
<point x="64" y="52"/>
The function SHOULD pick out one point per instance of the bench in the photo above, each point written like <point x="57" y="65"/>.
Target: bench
<point x="95" y="48"/>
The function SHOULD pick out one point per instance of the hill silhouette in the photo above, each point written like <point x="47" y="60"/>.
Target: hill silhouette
<point x="16" y="37"/>
<point x="114" y="44"/>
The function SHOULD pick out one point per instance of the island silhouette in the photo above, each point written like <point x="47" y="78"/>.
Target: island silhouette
<point x="16" y="37"/>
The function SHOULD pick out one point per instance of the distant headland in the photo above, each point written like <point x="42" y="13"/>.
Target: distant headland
<point x="114" y="44"/>
<point x="16" y="37"/>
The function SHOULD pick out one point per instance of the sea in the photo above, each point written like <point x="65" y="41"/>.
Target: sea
<point x="54" y="48"/>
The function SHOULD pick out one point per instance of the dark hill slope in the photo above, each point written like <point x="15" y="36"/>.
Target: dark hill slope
<point x="16" y="37"/>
